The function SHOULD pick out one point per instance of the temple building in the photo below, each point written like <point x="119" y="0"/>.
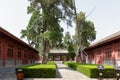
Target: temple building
<point x="105" y="51"/>
<point x="58" y="55"/>
<point x="15" y="52"/>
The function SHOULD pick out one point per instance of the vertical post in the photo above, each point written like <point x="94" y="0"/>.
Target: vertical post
<point x="100" y="68"/>
<point x="15" y="54"/>
<point x="117" y="75"/>
<point x="4" y="51"/>
<point x="20" y="74"/>
<point x="100" y="75"/>
<point x="117" y="69"/>
<point x="22" y="59"/>
<point x="53" y="58"/>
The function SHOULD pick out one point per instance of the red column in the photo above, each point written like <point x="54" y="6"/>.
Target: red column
<point x="114" y="52"/>
<point x="60" y="58"/>
<point x="95" y="56"/>
<point x="15" y="54"/>
<point x="4" y="51"/>
<point x="53" y="58"/>
<point x="102" y="49"/>
<point x="22" y="56"/>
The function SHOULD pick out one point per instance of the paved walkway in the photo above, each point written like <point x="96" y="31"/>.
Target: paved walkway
<point x="7" y="73"/>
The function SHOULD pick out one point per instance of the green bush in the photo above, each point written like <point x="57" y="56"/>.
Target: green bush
<point x="39" y="71"/>
<point x="72" y="65"/>
<point x="91" y="70"/>
<point x="94" y="72"/>
<point x="51" y="63"/>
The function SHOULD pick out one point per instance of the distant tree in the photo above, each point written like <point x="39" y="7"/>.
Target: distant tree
<point x="84" y="33"/>
<point x="68" y="44"/>
<point x="67" y="39"/>
<point x="71" y="51"/>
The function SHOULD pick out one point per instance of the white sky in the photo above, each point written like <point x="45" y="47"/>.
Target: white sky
<point x="106" y="16"/>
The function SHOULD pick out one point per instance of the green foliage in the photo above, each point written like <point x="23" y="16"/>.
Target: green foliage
<point x="53" y="9"/>
<point x="86" y="30"/>
<point x="67" y="39"/>
<point x="71" y="51"/>
<point x="91" y="70"/>
<point x="69" y="45"/>
<point x="54" y="37"/>
<point x="51" y="63"/>
<point x="33" y="30"/>
<point x="39" y="70"/>
<point x="72" y="65"/>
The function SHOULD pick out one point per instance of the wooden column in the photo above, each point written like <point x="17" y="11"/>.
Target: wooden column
<point x="15" y="54"/>
<point x="95" y="56"/>
<point x="22" y="58"/>
<point x="53" y="58"/>
<point x="4" y="51"/>
<point x="61" y="57"/>
<point x="114" y="53"/>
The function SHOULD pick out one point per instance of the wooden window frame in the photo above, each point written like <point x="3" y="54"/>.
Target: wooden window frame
<point x="19" y="54"/>
<point x="108" y="52"/>
<point x="118" y="51"/>
<point x="0" y="51"/>
<point x="10" y="52"/>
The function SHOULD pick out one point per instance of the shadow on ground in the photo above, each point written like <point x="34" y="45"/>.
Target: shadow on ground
<point x="58" y="75"/>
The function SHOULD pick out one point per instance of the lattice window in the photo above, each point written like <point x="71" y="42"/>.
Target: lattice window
<point x="118" y="51"/>
<point x="19" y="55"/>
<point x="92" y="56"/>
<point x="108" y="52"/>
<point x="10" y="51"/>
<point x="25" y="55"/>
<point x="30" y="56"/>
<point x="0" y="52"/>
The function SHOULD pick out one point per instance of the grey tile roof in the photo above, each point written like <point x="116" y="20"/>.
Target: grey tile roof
<point x="105" y="40"/>
<point x="58" y="51"/>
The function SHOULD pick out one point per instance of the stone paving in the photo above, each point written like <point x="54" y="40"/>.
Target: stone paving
<point x="63" y="73"/>
<point x="7" y="73"/>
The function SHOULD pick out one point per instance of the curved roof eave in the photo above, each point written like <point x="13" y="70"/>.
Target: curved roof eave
<point x="15" y="38"/>
<point x="105" y="40"/>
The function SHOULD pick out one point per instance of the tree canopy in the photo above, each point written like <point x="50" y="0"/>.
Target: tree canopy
<point x="86" y="29"/>
<point x="44" y="25"/>
<point x="45" y="32"/>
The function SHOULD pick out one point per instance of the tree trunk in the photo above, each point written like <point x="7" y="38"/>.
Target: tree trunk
<point x="80" y="52"/>
<point x="45" y="53"/>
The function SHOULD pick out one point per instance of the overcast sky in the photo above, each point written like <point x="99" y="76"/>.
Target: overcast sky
<point x="106" y="15"/>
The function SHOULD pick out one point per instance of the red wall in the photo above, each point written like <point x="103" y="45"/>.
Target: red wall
<point x="13" y="53"/>
<point x="104" y="53"/>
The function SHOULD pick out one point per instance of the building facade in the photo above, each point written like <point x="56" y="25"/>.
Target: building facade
<point x="15" y="52"/>
<point x="105" y="51"/>
<point x="58" y="55"/>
